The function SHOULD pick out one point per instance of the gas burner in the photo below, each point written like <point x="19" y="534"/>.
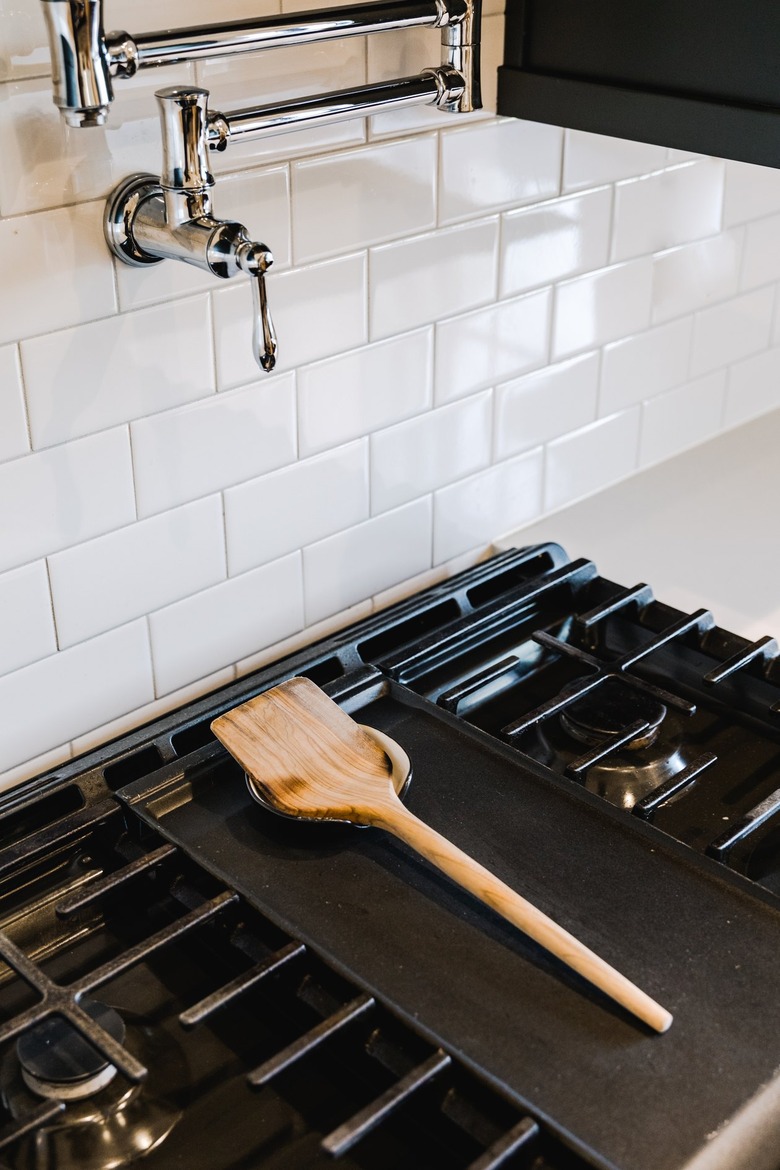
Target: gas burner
<point x="608" y="710"/>
<point x="627" y="774"/>
<point x="59" y="1064"/>
<point x="107" y="1122"/>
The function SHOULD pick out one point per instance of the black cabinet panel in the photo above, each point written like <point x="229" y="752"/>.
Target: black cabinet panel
<point x="702" y="75"/>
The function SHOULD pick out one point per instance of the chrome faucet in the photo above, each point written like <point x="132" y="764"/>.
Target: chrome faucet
<point x="149" y="219"/>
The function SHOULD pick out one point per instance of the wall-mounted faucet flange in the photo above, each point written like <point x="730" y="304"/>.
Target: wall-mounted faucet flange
<point x="119" y="218"/>
<point x="140" y="231"/>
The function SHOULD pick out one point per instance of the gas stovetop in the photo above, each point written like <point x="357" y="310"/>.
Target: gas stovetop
<point x="193" y="981"/>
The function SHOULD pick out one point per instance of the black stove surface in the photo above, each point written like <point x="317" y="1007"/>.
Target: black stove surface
<point x="293" y="996"/>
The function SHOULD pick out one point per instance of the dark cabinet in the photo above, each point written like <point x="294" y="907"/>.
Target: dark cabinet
<point x="701" y="75"/>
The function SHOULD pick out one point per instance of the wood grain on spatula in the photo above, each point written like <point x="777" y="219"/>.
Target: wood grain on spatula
<point x="306" y="758"/>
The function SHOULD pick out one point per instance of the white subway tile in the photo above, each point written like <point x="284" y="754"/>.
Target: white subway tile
<point x="432" y="276"/>
<point x="45" y="164"/>
<point x="209" y="630"/>
<point x="592" y="159"/>
<point x="62" y="273"/>
<point x="210" y="445"/>
<point x="26" y="621"/>
<point x="682" y="418"/>
<point x="586" y="461"/>
<point x="355" y="564"/>
<point x="72" y="691"/>
<point x="108" y="731"/>
<point x="270" y="517"/>
<point x="497" y="164"/>
<point x="77" y="383"/>
<point x="753" y="387"/>
<point x="696" y="275"/>
<point x="287" y="73"/>
<point x="492" y="58"/>
<point x="318" y="311"/>
<point x="115" y="578"/>
<point x="258" y="199"/>
<point x="762" y="249"/>
<point x="673" y="155"/>
<point x="725" y="333"/>
<point x="647" y="364"/>
<point x="561" y="238"/>
<point x="61" y="497"/>
<point x="409" y="587"/>
<point x="539" y="407"/>
<point x="24" y="51"/>
<point x="35" y="767"/>
<point x="751" y="191"/>
<point x="140" y="15"/>
<point x="14" y="440"/>
<point x="362" y="197"/>
<point x="602" y="306"/>
<point x="670" y="207"/>
<point x="427" y="452"/>
<point x="359" y="392"/>
<point x="472" y="512"/>
<point x="306" y="637"/>
<point x="491" y="345"/>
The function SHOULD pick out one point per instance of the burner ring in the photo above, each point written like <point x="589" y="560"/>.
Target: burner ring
<point x="609" y="709"/>
<point x="58" y="1062"/>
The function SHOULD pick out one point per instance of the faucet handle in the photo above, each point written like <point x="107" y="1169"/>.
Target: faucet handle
<point x="255" y="259"/>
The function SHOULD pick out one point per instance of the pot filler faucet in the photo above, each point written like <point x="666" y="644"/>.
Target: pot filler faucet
<point x="149" y="218"/>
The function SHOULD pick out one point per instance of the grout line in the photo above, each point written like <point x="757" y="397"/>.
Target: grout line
<point x="134" y="477"/>
<point x="152" y="663"/>
<point x="215" y="386"/>
<point x="47" y="568"/>
<point x="25" y="403"/>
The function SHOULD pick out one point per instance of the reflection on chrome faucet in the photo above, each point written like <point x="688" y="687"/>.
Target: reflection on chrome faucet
<point x="149" y="219"/>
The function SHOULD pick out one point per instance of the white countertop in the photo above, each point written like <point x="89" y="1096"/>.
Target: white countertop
<point x="701" y="529"/>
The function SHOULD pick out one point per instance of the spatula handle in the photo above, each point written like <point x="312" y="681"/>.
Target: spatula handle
<point x="473" y="877"/>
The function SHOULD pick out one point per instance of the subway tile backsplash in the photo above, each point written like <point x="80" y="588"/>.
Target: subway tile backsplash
<point x="480" y="320"/>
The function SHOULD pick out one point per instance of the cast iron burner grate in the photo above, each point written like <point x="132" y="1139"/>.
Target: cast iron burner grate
<point x="255" y="1046"/>
<point x="241" y="1043"/>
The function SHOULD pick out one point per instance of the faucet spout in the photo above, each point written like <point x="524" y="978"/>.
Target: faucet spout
<point x="81" y="72"/>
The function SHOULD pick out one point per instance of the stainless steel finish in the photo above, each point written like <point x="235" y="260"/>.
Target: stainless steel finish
<point x="85" y="59"/>
<point x="186" y="179"/>
<point x="79" y="58"/>
<point x="148" y="219"/>
<point x="120" y="218"/>
<point x="174" y="46"/>
<point x="139" y="232"/>
<point x="460" y="52"/>
<point x="255" y="259"/>
<point x="338" y="106"/>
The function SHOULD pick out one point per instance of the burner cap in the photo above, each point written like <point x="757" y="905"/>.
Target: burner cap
<point x="58" y="1062"/>
<point x="610" y="708"/>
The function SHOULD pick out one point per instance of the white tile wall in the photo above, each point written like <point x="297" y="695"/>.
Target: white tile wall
<point x="303" y="503"/>
<point x="480" y="320"/>
<point x="492" y="344"/>
<point x="682" y="417"/>
<point x="108" y="581"/>
<point x="182" y="454"/>
<point x="14" y="439"/>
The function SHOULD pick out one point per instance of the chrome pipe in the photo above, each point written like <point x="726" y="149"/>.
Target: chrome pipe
<point x="80" y="65"/>
<point x="127" y="53"/>
<point x="337" y="106"/>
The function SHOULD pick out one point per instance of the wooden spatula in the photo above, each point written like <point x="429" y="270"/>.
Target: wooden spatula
<point x="306" y="758"/>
